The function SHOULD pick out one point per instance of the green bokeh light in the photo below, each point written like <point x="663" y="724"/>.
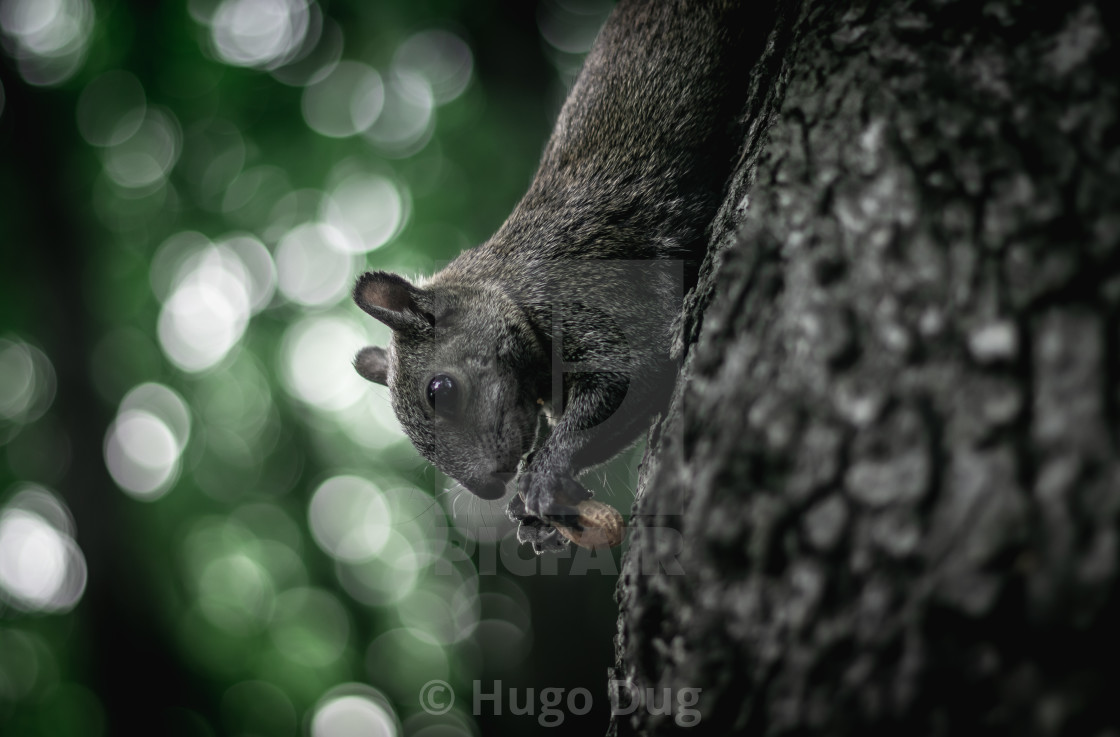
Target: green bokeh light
<point x="189" y="190"/>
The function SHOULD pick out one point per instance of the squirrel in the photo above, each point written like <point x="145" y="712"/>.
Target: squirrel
<point x="545" y="350"/>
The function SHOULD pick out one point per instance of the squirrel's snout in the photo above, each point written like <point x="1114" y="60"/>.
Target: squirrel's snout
<point x="493" y="488"/>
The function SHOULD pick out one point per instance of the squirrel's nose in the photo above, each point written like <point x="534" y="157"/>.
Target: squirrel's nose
<point x="493" y="488"/>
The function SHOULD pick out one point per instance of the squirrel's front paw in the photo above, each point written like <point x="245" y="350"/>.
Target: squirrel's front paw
<point x="552" y="497"/>
<point x="541" y="535"/>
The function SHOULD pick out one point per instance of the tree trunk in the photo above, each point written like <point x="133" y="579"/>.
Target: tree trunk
<point x="885" y="498"/>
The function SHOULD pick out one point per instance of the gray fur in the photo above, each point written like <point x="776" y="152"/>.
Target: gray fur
<point x="568" y="309"/>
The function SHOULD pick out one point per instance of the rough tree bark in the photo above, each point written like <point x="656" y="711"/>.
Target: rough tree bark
<point x="885" y="498"/>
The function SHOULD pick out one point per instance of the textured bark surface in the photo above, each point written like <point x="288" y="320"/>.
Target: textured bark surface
<point x="885" y="499"/>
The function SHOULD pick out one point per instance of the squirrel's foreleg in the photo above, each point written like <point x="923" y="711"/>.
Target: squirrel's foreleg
<point x="595" y="426"/>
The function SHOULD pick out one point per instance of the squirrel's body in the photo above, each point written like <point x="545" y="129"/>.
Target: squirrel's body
<point x="568" y="308"/>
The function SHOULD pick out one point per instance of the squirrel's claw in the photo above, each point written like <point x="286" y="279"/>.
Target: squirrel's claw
<point x="541" y="502"/>
<point x="543" y="539"/>
<point x="533" y="530"/>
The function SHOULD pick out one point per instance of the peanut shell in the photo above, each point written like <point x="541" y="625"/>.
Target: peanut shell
<point x="603" y="526"/>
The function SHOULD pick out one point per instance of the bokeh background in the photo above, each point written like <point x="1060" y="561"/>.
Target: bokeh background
<point x="209" y="525"/>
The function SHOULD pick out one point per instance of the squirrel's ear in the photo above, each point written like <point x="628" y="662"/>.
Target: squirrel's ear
<point x="373" y="364"/>
<point x="391" y="299"/>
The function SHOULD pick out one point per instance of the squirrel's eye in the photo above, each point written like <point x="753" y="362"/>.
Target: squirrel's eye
<point x="443" y="395"/>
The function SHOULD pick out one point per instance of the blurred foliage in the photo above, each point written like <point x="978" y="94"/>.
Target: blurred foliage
<point x="208" y="524"/>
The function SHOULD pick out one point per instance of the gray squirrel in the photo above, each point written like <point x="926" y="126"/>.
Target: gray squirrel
<point x="567" y="312"/>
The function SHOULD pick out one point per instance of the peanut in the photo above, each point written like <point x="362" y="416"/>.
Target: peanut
<point x="603" y="526"/>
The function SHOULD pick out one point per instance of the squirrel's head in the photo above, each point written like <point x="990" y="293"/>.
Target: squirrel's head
<point x="463" y="369"/>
